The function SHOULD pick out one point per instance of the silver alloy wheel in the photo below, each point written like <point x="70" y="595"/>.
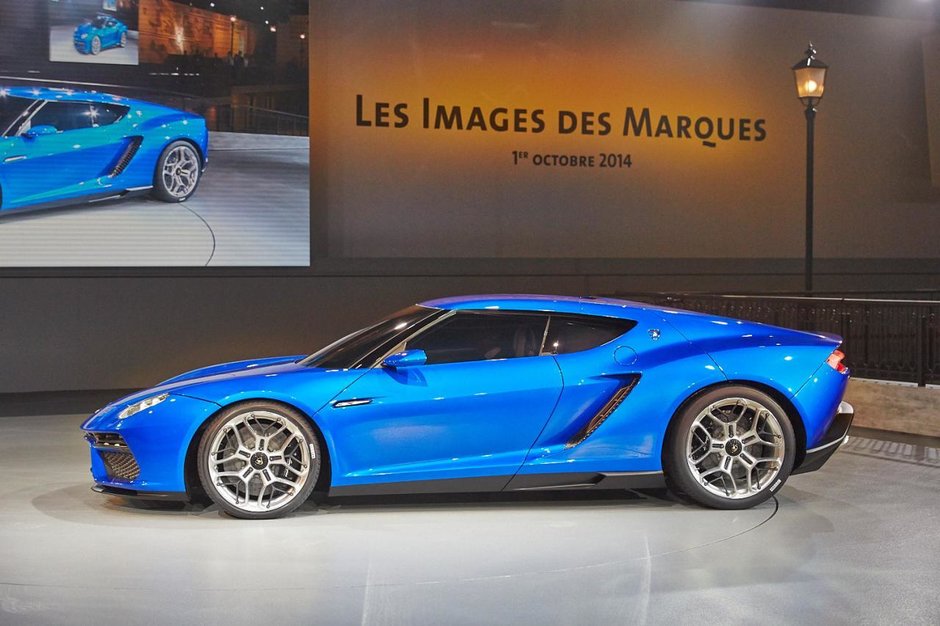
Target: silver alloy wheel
<point x="735" y="448"/>
<point x="95" y="45"/>
<point x="259" y="461"/>
<point x="123" y="40"/>
<point x="180" y="171"/>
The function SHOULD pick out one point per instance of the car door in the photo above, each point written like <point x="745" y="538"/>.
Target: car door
<point x="110" y="38"/>
<point x="71" y="162"/>
<point x="623" y="378"/>
<point x="472" y="410"/>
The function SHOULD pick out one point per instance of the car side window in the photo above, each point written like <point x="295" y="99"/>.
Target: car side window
<point x="105" y="114"/>
<point x="65" y="116"/>
<point x="574" y="334"/>
<point x="477" y="336"/>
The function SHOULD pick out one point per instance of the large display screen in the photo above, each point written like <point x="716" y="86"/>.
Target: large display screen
<point x="154" y="133"/>
<point x="167" y="133"/>
<point x="616" y="129"/>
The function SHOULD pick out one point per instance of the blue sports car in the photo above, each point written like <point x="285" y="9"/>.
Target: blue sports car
<point x="490" y="393"/>
<point x="59" y="146"/>
<point x="100" y="33"/>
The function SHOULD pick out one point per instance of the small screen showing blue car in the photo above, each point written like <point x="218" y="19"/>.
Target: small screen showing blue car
<point x="100" y="33"/>
<point x="110" y="36"/>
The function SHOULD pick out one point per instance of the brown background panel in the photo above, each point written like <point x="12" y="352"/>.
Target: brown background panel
<point x="390" y="192"/>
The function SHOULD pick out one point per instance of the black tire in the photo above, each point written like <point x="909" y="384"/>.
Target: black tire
<point x="161" y="188"/>
<point x="683" y="480"/>
<point x="223" y="494"/>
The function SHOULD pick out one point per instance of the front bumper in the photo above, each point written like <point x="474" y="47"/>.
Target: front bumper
<point x="835" y="436"/>
<point x="145" y="454"/>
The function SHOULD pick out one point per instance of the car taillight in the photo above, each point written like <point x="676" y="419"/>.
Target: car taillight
<point x="835" y="361"/>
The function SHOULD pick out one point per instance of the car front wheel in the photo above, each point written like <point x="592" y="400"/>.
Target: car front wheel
<point x="259" y="460"/>
<point x="731" y="448"/>
<point x="178" y="171"/>
<point x="95" y="44"/>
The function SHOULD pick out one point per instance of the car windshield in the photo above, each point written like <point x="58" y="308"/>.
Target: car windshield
<point x="10" y="108"/>
<point x="100" y="22"/>
<point x="351" y="349"/>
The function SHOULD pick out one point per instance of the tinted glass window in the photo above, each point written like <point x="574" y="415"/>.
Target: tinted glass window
<point x="10" y="108"/>
<point x="481" y="336"/>
<point x="104" y="114"/>
<point x="348" y="351"/>
<point x="571" y="334"/>
<point x="75" y="115"/>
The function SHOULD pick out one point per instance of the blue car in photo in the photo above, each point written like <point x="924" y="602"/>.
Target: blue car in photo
<point x="100" y="33"/>
<point x="490" y="393"/>
<point x="60" y="146"/>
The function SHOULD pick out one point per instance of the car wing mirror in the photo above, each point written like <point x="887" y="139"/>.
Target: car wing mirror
<point x="408" y="358"/>
<point x="39" y="131"/>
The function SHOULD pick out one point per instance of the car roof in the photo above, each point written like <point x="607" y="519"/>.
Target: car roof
<point x="584" y="305"/>
<point x="67" y="95"/>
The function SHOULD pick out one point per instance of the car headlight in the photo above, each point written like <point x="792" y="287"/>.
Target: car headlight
<point x="146" y="403"/>
<point x="83" y="36"/>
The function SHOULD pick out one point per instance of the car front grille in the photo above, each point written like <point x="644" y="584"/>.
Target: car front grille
<point x="120" y="465"/>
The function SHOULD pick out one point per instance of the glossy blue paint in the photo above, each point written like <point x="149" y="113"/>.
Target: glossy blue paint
<point x="408" y="358"/>
<point x="497" y="417"/>
<point x="106" y="28"/>
<point x="71" y="166"/>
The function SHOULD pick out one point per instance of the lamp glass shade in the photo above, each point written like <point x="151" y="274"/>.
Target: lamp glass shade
<point x="810" y="82"/>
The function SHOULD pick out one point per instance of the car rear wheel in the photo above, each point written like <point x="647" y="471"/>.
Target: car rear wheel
<point x="95" y="44"/>
<point x="259" y="460"/>
<point x="123" y="40"/>
<point x="731" y="448"/>
<point x="179" y="169"/>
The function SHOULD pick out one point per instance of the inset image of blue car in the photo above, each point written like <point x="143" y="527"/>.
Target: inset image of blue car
<point x="100" y="33"/>
<point x="490" y="393"/>
<point x="59" y="146"/>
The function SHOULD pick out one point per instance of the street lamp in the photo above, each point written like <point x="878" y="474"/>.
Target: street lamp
<point x="231" y="41"/>
<point x="810" y="75"/>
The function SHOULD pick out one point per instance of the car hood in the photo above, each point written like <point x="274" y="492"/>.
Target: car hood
<point x="232" y="367"/>
<point x="276" y="378"/>
<point x="87" y="27"/>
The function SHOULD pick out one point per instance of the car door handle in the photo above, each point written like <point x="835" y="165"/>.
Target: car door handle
<point x="339" y="404"/>
<point x="18" y="157"/>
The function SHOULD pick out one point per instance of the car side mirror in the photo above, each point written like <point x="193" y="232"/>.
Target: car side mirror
<point x="408" y="358"/>
<point x="39" y="131"/>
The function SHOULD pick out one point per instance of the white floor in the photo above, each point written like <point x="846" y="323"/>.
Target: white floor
<point x="854" y="543"/>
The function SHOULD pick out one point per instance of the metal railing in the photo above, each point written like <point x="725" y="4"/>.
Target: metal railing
<point x="248" y="119"/>
<point x="884" y="339"/>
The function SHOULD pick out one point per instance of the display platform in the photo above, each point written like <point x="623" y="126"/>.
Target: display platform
<point x="853" y="543"/>
<point x="251" y="208"/>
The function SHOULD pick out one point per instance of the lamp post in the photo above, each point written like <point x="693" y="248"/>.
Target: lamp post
<point x="231" y="41"/>
<point x="810" y="75"/>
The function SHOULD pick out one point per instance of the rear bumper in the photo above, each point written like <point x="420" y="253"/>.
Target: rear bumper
<point x="837" y="434"/>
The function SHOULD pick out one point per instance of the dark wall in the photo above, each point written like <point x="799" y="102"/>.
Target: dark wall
<point x="109" y="332"/>
<point x="22" y="31"/>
